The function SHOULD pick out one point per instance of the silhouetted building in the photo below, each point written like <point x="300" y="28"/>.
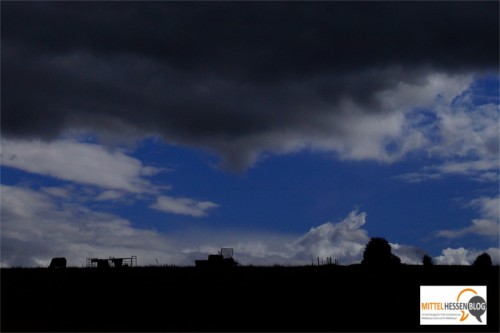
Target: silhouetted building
<point x="223" y="259"/>
<point x="58" y="263"/>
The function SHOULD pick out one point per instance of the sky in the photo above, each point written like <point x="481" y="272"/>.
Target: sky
<point x="285" y="130"/>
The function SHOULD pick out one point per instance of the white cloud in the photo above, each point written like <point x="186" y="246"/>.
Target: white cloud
<point x="344" y="241"/>
<point x="82" y="163"/>
<point x="462" y="256"/>
<point x="407" y="253"/>
<point x="489" y="207"/>
<point x="366" y="136"/>
<point x="466" y="136"/>
<point x="250" y="247"/>
<point x="58" y="192"/>
<point x="479" y="226"/>
<point x="84" y="194"/>
<point x="488" y="224"/>
<point x="109" y="195"/>
<point x="486" y="170"/>
<point x="112" y="174"/>
<point x="183" y="206"/>
<point x="36" y="228"/>
<point x="468" y="130"/>
<point x="425" y="92"/>
<point x="469" y="167"/>
<point x="393" y="132"/>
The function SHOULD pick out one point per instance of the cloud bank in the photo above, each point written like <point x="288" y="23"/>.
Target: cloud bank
<point x="109" y="175"/>
<point x="36" y="227"/>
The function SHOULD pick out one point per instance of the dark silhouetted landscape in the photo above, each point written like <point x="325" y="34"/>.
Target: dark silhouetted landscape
<point x="241" y="298"/>
<point x="293" y="132"/>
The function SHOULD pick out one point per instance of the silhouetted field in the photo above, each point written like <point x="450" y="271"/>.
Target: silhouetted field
<point x="305" y="299"/>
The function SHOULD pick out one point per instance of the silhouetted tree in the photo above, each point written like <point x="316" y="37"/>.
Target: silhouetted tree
<point x="483" y="260"/>
<point x="395" y="260"/>
<point x="378" y="252"/>
<point x="427" y="260"/>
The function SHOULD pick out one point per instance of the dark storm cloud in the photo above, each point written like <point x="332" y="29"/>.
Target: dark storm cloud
<point x="227" y="76"/>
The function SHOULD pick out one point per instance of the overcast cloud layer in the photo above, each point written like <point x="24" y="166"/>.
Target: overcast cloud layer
<point x="240" y="79"/>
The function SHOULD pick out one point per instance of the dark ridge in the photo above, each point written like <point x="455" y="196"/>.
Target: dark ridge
<point x="233" y="299"/>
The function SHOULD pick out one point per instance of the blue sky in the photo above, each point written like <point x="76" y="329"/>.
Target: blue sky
<point x="161" y="146"/>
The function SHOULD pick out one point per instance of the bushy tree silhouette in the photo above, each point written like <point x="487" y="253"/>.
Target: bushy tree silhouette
<point x="427" y="260"/>
<point x="482" y="260"/>
<point x="395" y="260"/>
<point x="378" y="252"/>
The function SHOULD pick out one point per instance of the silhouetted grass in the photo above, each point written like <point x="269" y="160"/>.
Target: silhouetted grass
<point x="245" y="298"/>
